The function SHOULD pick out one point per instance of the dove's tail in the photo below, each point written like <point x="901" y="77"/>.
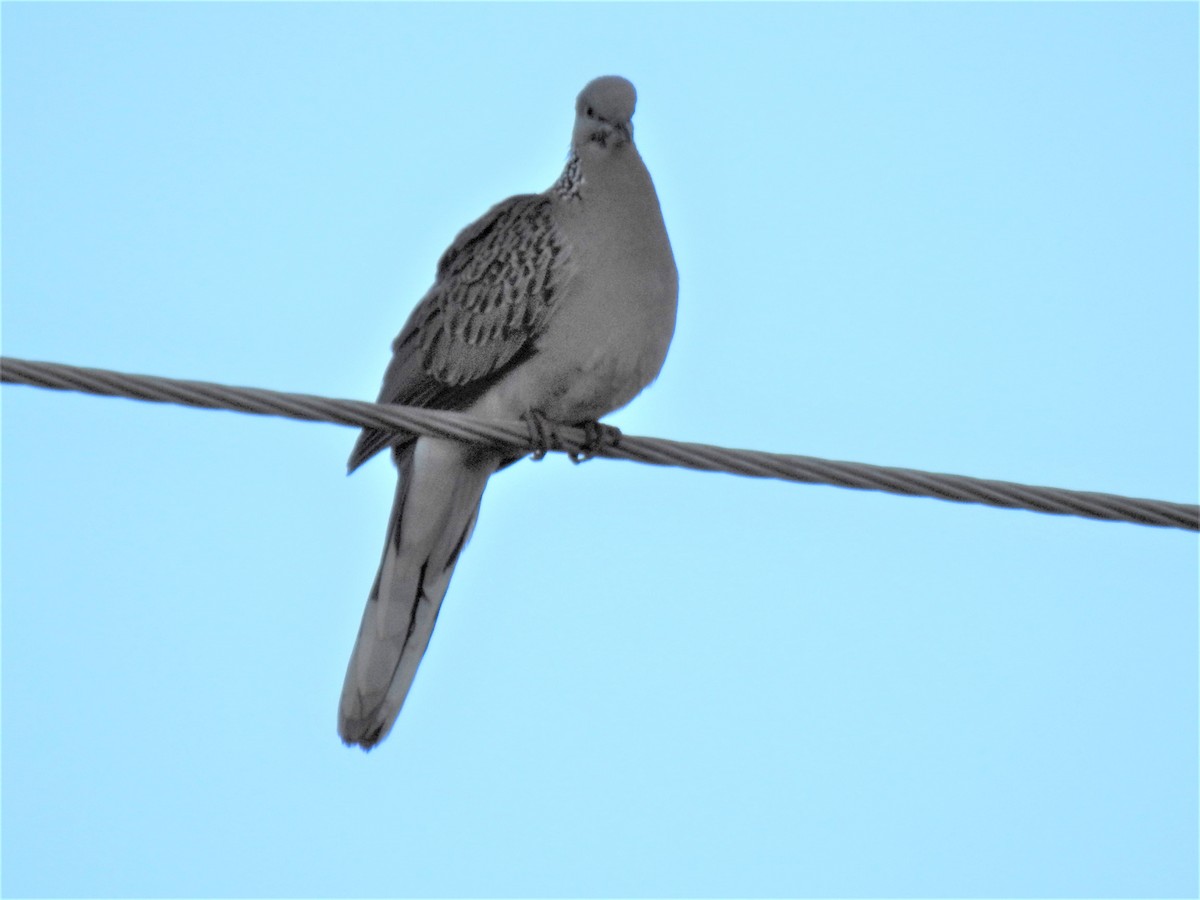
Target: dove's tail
<point x="437" y="499"/>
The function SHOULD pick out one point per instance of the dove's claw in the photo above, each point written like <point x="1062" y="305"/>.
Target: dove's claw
<point x="598" y="436"/>
<point x="543" y="437"/>
<point x="541" y="433"/>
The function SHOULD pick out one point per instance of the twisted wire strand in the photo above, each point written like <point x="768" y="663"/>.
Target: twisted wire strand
<point x="655" y="451"/>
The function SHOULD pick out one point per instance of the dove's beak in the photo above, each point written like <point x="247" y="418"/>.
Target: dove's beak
<point x="616" y="135"/>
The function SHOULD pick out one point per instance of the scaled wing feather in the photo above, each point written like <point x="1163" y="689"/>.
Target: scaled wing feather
<point x="495" y="289"/>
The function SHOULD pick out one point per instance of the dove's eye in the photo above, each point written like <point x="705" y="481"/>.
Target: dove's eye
<point x="590" y="112"/>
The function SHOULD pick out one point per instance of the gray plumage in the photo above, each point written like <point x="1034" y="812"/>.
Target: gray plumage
<point x="560" y="303"/>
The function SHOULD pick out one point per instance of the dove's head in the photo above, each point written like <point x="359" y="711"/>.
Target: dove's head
<point x="603" y="114"/>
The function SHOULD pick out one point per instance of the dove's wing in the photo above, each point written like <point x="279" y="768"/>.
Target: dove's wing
<point x="495" y="288"/>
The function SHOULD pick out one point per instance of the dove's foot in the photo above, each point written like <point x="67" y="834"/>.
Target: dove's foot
<point x="542" y="435"/>
<point x="598" y="437"/>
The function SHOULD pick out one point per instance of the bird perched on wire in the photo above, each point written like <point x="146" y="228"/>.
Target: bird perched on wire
<point x="555" y="307"/>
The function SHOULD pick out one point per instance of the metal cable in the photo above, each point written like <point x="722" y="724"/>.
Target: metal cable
<point x="656" y="451"/>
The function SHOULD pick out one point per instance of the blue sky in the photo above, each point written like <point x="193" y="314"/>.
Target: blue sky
<point x="956" y="237"/>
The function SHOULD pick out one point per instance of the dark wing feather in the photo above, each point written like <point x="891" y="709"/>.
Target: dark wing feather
<point x="495" y="287"/>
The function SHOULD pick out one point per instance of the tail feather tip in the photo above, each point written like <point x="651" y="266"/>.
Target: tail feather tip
<point x="362" y="732"/>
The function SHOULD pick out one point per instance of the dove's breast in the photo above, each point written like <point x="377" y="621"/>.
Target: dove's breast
<point x="614" y="315"/>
